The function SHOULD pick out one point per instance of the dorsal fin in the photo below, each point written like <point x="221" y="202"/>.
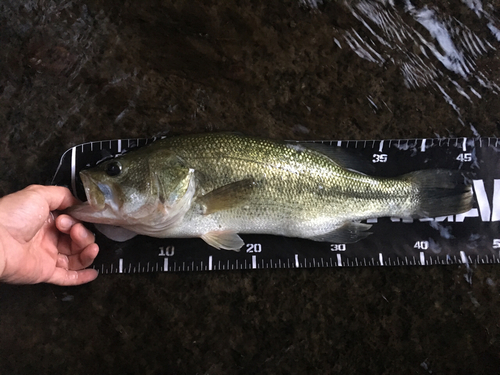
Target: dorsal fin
<point x="346" y="158"/>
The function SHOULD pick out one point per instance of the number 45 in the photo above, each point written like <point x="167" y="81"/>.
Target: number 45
<point x="464" y="157"/>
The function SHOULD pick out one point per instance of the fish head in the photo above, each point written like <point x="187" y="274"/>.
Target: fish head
<point x="121" y="186"/>
<point x="135" y="186"/>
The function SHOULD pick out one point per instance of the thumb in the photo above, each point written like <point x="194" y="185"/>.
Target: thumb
<point x="65" y="277"/>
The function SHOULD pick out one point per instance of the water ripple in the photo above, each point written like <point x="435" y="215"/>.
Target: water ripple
<point x="432" y="49"/>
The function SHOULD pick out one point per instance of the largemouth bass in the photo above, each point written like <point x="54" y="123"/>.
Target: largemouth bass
<point x="214" y="186"/>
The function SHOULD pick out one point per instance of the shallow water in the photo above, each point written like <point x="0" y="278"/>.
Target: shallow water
<point x="432" y="49"/>
<point x="76" y="71"/>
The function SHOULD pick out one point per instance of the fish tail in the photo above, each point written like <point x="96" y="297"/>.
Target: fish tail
<point x="441" y="192"/>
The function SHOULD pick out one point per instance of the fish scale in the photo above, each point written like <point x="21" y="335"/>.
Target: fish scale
<point x="473" y="237"/>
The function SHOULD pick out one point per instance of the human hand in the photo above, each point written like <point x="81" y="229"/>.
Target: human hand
<point x="36" y="247"/>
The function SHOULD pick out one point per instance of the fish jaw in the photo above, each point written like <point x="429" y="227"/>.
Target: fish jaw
<point x="96" y="209"/>
<point x="105" y="197"/>
<point x="86" y="212"/>
<point x="95" y="196"/>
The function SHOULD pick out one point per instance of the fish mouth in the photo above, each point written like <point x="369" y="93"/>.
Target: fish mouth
<point x="95" y="196"/>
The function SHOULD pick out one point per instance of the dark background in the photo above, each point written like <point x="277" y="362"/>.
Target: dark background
<point x="77" y="71"/>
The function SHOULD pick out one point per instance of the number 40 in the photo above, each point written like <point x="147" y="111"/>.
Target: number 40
<point x="421" y="245"/>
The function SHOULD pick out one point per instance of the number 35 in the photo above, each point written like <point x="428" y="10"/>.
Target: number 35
<point x="379" y="158"/>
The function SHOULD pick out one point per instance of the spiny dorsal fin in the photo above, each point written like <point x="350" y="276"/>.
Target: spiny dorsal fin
<point x="227" y="196"/>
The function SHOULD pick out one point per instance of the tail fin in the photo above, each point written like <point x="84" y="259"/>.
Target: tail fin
<point x="441" y="192"/>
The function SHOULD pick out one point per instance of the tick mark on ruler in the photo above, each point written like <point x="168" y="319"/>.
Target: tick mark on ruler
<point x="339" y="260"/>
<point x="297" y="264"/>
<point x="254" y="262"/>
<point x="73" y="170"/>
<point x="463" y="258"/>
<point x="210" y="263"/>
<point x="422" y="146"/>
<point x="120" y="265"/>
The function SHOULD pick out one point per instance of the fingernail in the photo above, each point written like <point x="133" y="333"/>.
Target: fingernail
<point x="66" y="222"/>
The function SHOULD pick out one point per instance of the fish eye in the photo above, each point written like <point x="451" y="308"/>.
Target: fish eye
<point x="113" y="169"/>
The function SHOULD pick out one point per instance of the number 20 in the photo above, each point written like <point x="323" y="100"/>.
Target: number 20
<point x="254" y="247"/>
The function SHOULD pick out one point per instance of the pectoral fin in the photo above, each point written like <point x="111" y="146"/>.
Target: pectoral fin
<point x="223" y="240"/>
<point x="227" y="196"/>
<point x="350" y="232"/>
<point x="115" y="233"/>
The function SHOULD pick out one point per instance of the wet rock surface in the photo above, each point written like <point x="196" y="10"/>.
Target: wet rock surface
<point x="76" y="71"/>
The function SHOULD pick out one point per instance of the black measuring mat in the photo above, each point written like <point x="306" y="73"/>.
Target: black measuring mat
<point x="469" y="238"/>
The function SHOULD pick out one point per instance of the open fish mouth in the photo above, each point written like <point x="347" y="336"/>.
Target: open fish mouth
<point x="94" y="193"/>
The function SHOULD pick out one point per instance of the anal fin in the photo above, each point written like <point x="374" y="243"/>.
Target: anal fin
<point x="226" y="240"/>
<point x="350" y="232"/>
